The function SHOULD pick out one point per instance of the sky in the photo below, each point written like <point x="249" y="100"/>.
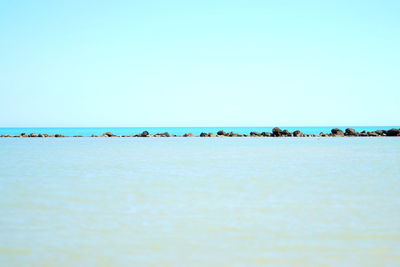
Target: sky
<point x="199" y="63"/>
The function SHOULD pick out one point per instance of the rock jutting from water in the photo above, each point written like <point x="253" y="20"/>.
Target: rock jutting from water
<point x="276" y="132"/>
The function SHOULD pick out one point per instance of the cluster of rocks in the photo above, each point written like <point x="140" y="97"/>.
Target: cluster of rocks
<point x="351" y="132"/>
<point x="276" y="132"/>
<point x="35" y="135"/>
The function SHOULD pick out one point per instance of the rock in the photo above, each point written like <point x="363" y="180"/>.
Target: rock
<point x="232" y="134"/>
<point x="337" y="132"/>
<point x="276" y="132"/>
<point x="372" y="134"/>
<point x="351" y="132"/>
<point x="255" y="134"/>
<point x="393" y="132"/>
<point x="221" y="133"/>
<point x="59" y="135"/>
<point x="211" y="135"/>
<point x="379" y="132"/>
<point x="188" y="135"/>
<point x="33" y="135"/>
<point x="203" y="135"/>
<point x="108" y="134"/>
<point x="78" y="135"/>
<point x="144" y="134"/>
<point x="298" y="133"/>
<point x="266" y="134"/>
<point x="166" y="134"/>
<point x="286" y="133"/>
<point x="363" y="134"/>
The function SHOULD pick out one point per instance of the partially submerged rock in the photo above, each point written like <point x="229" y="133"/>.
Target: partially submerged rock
<point x="255" y="134"/>
<point x="144" y="134"/>
<point x="277" y="132"/>
<point x="108" y="134"/>
<point x="222" y="133"/>
<point x="337" y="132"/>
<point x="393" y="132"/>
<point x="298" y="133"/>
<point x="351" y="132"/>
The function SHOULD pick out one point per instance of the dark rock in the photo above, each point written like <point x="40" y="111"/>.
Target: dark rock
<point x="188" y="135"/>
<point x="221" y="133"/>
<point x="78" y="135"/>
<point x="379" y="132"/>
<point x="372" y="134"/>
<point x="393" y="132"/>
<point x="337" y="132"/>
<point x="232" y="134"/>
<point x="211" y="135"/>
<point x="255" y="134"/>
<point x="286" y="133"/>
<point x="351" y="132"/>
<point x="276" y="132"/>
<point x="144" y="134"/>
<point x="166" y="134"/>
<point x="108" y="134"/>
<point x="298" y="133"/>
<point x="266" y="134"/>
<point x="203" y="135"/>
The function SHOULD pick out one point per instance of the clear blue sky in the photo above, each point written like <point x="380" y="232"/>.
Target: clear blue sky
<point x="199" y="63"/>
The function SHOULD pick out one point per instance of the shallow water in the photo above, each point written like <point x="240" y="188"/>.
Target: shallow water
<point x="200" y="201"/>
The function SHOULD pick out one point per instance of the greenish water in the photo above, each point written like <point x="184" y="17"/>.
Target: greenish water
<point x="200" y="201"/>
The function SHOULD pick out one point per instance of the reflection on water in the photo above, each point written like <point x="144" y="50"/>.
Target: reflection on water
<point x="196" y="202"/>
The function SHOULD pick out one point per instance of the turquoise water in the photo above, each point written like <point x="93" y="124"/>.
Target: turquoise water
<point x="179" y="130"/>
<point x="200" y="202"/>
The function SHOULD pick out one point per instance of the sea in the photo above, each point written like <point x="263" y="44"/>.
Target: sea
<point x="87" y="131"/>
<point x="199" y="201"/>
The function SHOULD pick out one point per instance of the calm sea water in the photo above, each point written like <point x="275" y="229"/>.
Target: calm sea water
<point x="200" y="202"/>
<point x="179" y="130"/>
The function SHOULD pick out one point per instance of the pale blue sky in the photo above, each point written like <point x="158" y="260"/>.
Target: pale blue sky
<point x="199" y="63"/>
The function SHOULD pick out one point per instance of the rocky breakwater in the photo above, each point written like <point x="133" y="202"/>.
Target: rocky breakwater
<point x="276" y="132"/>
<point x="35" y="135"/>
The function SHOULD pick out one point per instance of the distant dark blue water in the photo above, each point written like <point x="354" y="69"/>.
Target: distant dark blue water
<point x="87" y="131"/>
